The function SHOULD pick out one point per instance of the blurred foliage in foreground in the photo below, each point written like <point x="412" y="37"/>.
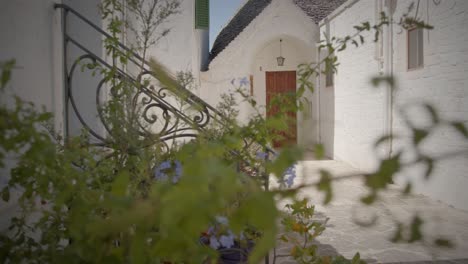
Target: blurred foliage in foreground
<point x="134" y="204"/>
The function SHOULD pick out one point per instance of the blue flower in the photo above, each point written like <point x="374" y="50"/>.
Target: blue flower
<point x="261" y="155"/>
<point x="244" y="81"/>
<point x="161" y="172"/>
<point x="165" y="165"/>
<point x="159" y="175"/>
<point x="214" y="243"/>
<point x="211" y="230"/>
<point x="227" y="241"/>
<point x="289" y="175"/>
<point x="290" y="180"/>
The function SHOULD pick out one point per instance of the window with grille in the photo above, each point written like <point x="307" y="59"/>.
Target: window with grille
<point x="415" y="48"/>
<point x="202" y="14"/>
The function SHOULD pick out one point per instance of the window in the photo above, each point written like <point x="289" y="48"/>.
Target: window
<point x="415" y="48"/>
<point x="202" y="14"/>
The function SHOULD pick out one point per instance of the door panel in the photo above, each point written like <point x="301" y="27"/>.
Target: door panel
<point x="280" y="84"/>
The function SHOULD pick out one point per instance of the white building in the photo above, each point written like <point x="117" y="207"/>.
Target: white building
<point x="347" y="117"/>
<point x="34" y="33"/>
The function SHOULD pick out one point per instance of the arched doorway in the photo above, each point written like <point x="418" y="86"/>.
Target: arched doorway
<point x="269" y="79"/>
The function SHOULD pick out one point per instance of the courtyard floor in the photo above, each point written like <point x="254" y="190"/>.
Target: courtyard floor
<point x="344" y="236"/>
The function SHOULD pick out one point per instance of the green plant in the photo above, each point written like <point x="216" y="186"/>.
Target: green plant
<point x="88" y="205"/>
<point x="300" y="230"/>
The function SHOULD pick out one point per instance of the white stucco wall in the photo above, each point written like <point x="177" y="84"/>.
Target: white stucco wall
<point x="362" y="113"/>
<point x="31" y="33"/>
<point x="255" y="47"/>
<point x="442" y="82"/>
<point x="358" y="108"/>
<point x="184" y="48"/>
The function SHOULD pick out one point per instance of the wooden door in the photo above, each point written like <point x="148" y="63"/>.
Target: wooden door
<point x="282" y="83"/>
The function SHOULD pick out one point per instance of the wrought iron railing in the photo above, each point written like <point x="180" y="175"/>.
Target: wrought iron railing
<point x="162" y="120"/>
<point x="173" y="122"/>
<point x="168" y="123"/>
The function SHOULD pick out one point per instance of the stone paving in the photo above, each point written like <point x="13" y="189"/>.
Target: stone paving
<point x="344" y="236"/>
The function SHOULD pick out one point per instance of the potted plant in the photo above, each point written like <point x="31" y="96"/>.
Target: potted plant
<point x="232" y="248"/>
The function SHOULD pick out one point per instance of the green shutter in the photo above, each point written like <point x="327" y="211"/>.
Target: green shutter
<point x="202" y="14"/>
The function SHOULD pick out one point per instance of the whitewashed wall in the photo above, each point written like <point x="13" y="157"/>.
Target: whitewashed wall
<point x="184" y="48"/>
<point x="254" y="47"/>
<point x="352" y="107"/>
<point x="363" y="113"/>
<point x="31" y="33"/>
<point x="442" y="82"/>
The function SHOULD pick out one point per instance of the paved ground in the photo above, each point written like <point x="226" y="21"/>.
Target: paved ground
<point x="343" y="236"/>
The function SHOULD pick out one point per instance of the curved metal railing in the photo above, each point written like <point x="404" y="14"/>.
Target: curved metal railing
<point x="159" y="121"/>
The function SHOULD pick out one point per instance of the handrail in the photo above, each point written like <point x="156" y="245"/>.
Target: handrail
<point x="188" y="94"/>
<point x="121" y="45"/>
<point x="97" y="28"/>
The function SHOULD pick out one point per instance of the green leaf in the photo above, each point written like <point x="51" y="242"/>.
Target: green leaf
<point x="432" y="112"/>
<point x="383" y="176"/>
<point x="376" y="36"/>
<point x="366" y="25"/>
<point x="119" y="186"/>
<point x="441" y="242"/>
<point x="408" y="188"/>
<point x="6" y="194"/>
<point x="325" y="186"/>
<point x="429" y="167"/>
<point x="369" y="199"/>
<point x="343" y="47"/>
<point x="6" y="72"/>
<point x="419" y="135"/>
<point x="287" y="157"/>
<point x="91" y="66"/>
<point x="253" y="102"/>
<point x="137" y="249"/>
<point x="416" y="234"/>
<point x="356" y="259"/>
<point x="398" y="235"/>
<point x="319" y="151"/>
<point x="385" y="79"/>
<point x="383" y="139"/>
<point x="460" y="127"/>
